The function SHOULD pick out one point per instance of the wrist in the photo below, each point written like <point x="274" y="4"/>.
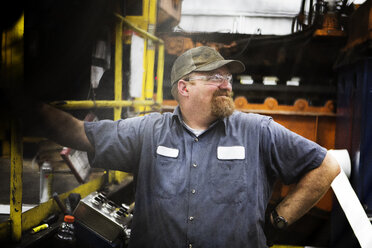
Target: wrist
<point x="279" y="222"/>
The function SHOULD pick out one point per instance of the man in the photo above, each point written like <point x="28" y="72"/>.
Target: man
<point x="204" y="173"/>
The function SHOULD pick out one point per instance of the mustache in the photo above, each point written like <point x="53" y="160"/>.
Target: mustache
<point x="222" y="93"/>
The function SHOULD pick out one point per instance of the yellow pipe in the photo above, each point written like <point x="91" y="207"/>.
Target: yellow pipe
<point x="152" y="13"/>
<point x="19" y="222"/>
<point x="145" y="57"/>
<point x="35" y="215"/>
<point x="99" y="104"/>
<point x="145" y="12"/>
<point x="13" y="63"/>
<point x="149" y="86"/>
<point x="150" y="53"/>
<point x="148" y="76"/>
<point x="160" y="74"/>
<point x="146" y="6"/>
<point x="118" y="67"/>
<point x="142" y="32"/>
<point x="16" y="168"/>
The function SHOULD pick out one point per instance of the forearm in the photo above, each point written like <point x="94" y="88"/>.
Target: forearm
<point x="309" y="190"/>
<point x="62" y="128"/>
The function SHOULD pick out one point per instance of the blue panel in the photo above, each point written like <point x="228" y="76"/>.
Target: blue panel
<point x="354" y="132"/>
<point x="354" y="125"/>
<point x="365" y="171"/>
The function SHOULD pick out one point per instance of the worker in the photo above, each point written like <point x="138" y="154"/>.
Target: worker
<point x="203" y="174"/>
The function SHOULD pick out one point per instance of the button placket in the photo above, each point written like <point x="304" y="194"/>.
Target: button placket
<point x="192" y="218"/>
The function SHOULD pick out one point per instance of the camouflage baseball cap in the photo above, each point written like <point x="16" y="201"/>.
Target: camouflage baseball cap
<point x="202" y="59"/>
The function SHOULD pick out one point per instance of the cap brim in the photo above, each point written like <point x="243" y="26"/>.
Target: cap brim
<point x="234" y="66"/>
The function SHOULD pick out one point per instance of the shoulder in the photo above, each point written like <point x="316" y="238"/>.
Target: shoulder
<point x="154" y="118"/>
<point x="148" y="118"/>
<point x="149" y="121"/>
<point x="249" y="119"/>
<point x="132" y="122"/>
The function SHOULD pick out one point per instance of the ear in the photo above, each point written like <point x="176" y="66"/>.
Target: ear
<point x="182" y="88"/>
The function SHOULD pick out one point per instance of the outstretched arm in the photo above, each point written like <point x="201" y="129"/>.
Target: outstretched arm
<point x="309" y="190"/>
<point x="62" y="128"/>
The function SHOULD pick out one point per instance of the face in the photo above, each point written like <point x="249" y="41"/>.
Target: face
<point x="213" y="94"/>
<point x="222" y="104"/>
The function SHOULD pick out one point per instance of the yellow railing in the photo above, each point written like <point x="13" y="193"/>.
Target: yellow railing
<point x="19" y="221"/>
<point x="100" y="104"/>
<point x="118" y="103"/>
<point x="118" y="68"/>
<point x="12" y="62"/>
<point x="16" y="170"/>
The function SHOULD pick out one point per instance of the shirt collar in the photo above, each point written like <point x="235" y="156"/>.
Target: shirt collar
<point x="177" y="115"/>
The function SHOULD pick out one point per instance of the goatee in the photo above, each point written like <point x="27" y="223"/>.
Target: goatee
<point x="222" y="107"/>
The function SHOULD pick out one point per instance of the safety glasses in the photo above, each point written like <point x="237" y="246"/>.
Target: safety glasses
<point x="216" y="79"/>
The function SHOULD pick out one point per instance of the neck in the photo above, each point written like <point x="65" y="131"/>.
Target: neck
<point x="196" y="119"/>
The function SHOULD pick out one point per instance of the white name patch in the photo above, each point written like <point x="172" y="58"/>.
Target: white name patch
<point x="167" y="152"/>
<point x="230" y="152"/>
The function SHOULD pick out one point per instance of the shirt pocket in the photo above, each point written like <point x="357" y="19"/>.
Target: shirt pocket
<point x="167" y="179"/>
<point x="228" y="181"/>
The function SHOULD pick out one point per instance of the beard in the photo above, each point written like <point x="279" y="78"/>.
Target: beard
<point x="222" y="107"/>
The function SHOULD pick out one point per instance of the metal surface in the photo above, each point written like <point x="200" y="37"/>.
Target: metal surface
<point x="169" y="13"/>
<point x="331" y="26"/>
<point x="360" y="26"/>
<point x="239" y="16"/>
<point x="34" y="216"/>
<point x="104" y="217"/>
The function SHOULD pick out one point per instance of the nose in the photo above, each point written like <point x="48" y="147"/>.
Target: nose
<point x="226" y="85"/>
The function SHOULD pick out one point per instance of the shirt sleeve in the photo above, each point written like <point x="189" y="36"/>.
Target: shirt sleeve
<point x="289" y="155"/>
<point x="116" y="143"/>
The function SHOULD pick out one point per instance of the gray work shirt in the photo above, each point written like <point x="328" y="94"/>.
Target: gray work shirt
<point x="206" y="191"/>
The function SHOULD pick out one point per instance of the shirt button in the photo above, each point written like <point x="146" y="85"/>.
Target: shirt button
<point x="191" y="218"/>
<point x="194" y="165"/>
<point x="193" y="191"/>
<point x="196" y="139"/>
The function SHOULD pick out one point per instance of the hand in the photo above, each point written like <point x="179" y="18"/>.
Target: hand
<point x="270" y="231"/>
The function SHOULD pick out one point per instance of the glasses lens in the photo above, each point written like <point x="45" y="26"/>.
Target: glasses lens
<point x="218" y="78"/>
<point x="215" y="79"/>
